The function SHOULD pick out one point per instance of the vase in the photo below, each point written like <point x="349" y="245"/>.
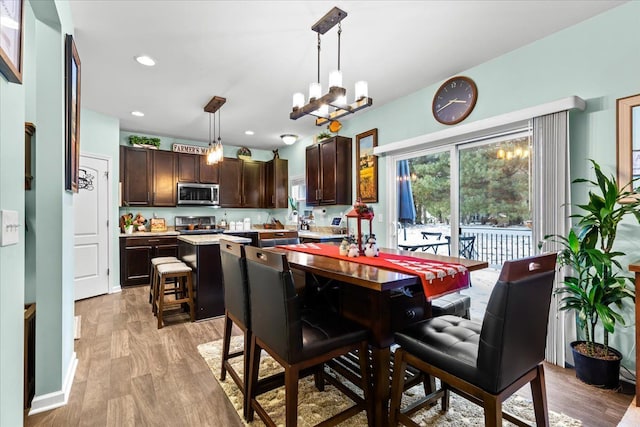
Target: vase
<point x="598" y="372"/>
<point x="128" y="229"/>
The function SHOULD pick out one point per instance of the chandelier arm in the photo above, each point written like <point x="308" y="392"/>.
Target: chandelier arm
<point x="318" y="58"/>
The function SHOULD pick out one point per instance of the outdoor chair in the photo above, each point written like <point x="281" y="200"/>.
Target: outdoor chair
<point x="485" y="363"/>
<point x="466" y="246"/>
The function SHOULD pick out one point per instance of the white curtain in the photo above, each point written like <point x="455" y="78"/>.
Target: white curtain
<point x="552" y="208"/>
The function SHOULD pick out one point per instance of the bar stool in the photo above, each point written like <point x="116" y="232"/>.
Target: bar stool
<point x="152" y="282"/>
<point x="182" y="275"/>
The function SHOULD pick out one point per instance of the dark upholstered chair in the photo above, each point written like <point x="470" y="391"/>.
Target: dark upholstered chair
<point x="297" y="339"/>
<point x="454" y="304"/>
<point x="485" y="363"/>
<point x="236" y="310"/>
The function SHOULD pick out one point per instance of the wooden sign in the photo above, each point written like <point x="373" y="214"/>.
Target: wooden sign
<point x="191" y="149"/>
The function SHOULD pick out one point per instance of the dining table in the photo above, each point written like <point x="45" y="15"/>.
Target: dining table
<point x="382" y="300"/>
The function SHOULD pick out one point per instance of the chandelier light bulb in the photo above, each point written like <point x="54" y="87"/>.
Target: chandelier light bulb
<point x="298" y="100"/>
<point x="341" y="101"/>
<point x="315" y="91"/>
<point x="335" y="78"/>
<point x="323" y="110"/>
<point x="362" y="90"/>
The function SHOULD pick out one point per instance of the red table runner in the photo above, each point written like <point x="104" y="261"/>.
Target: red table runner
<point x="438" y="278"/>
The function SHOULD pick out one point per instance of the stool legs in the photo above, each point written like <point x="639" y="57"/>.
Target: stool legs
<point x="182" y="279"/>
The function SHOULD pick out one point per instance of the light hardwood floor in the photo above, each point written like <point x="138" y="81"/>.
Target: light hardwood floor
<point x="132" y="374"/>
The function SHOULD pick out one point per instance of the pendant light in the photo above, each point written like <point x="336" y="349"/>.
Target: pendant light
<point x="214" y="152"/>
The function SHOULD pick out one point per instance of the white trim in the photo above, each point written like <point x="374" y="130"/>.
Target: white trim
<point x="59" y="398"/>
<point x="492" y="125"/>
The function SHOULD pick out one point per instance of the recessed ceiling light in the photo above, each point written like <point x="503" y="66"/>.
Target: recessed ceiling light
<point x="248" y="132"/>
<point x="137" y="113"/>
<point x="146" y="60"/>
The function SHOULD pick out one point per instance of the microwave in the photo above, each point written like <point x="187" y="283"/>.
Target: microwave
<point x="198" y="194"/>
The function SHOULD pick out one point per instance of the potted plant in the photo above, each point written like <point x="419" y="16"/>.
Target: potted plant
<point x="143" y="141"/>
<point x="128" y="224"/>
<point x="594" y="286"/>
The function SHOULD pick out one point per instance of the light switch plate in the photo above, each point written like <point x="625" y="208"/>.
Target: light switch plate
<point x="10" y="226"/>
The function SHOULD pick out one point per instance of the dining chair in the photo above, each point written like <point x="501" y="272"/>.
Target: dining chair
<point x="236" y="311"/>
<point x="466" y="246"/>
<point x="485" y="363"/>
<point x="297" y="338"/>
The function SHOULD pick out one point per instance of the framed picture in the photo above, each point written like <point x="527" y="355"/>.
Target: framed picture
<point x="367" y="166"/>
<point x="11" y="12"/>
<point x="72" y="113"/>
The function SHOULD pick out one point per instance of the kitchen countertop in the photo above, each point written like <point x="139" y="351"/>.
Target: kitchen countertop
<point x="210" y="239"/>
<point x="316" y="235"/>
<point x="151" y="233"/>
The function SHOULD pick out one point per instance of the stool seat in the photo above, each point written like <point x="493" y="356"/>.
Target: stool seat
<point x="453" y="304"/>
<point x="182" y="289"/>
<point x="154" y="262"/>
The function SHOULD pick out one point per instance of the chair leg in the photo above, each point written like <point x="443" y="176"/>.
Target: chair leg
<point x="160" y="300"/>
<point x="492" y="411"/>
<point x="225" y="346"/>
<point x="192" y="310"/>
<point x="254" y="365"/>
<point x="291" y="377"/>
<point x="318" y="377"/>
<point x="397" y="385"/>
<point x="446" y="396"/>
<point x="539" y="394"/>
<point x="247" y="369"/>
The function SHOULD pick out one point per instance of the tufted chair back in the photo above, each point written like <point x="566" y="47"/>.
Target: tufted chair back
<point x="514" y="329"/>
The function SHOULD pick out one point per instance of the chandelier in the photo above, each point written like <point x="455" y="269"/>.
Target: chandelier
<point x="333" y="104"/>
<point x="214" y="152"/>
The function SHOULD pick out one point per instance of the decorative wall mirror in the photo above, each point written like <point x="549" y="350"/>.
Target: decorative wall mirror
<point x="628" y="114"/>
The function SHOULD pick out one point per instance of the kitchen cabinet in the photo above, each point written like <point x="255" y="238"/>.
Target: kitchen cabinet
<point x="276" y="183"/>
<point x="164" y="178"/>
<point x="242" y="183"/>
<point x="328" y="172"/>
<point x="194" y="168"/>
<point x="136" y="254"/>
<point x="136" y="165"/>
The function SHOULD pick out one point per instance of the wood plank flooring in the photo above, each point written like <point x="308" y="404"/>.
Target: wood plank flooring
<point x="132" y="374"/>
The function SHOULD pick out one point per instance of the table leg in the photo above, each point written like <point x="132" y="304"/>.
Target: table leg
<point x="381" y="360"/>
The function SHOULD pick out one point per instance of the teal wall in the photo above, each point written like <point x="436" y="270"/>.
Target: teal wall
<point x="595" y="60"/>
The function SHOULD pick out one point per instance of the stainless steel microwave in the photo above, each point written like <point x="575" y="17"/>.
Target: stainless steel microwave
<point x="198" y="194"/>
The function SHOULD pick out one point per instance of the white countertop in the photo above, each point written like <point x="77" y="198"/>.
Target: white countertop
<point x="316" y="235"/>
<point x="211" y="239"/>
<point x="150" y="233"/>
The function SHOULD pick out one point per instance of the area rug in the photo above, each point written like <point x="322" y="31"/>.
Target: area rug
<point x="315" y="406"/>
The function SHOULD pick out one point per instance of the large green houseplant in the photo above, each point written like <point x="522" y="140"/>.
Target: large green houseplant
<point x="594" y="287"/>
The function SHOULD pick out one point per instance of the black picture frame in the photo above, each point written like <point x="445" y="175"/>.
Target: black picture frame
<point x="11" y="37"/>
<point x="367" y="166"/>
<point x="72" y="114"/>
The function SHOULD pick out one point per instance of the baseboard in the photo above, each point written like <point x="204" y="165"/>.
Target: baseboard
<point x="115" y="289"/>
<point x="59" y="398"/>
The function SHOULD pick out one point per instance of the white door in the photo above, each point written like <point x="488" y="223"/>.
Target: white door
<point x="91" y="243"/>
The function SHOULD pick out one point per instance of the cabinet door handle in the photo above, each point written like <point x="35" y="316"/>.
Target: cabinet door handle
<point x="279" y="234"/>
<point x="153" y="240"/>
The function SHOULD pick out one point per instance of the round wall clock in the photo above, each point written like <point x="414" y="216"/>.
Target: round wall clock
<point x="454" y="100"/>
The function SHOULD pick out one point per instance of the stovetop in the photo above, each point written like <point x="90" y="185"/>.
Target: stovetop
<point x="198" y="225"/>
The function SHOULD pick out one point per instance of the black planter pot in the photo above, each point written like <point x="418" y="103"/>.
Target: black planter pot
<point x="598" y="372"/>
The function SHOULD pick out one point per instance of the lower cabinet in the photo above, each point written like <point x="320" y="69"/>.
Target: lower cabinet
<point x="136" y="254"/>
<point x="207" y="278"/>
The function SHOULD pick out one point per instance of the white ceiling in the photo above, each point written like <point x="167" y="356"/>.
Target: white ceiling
<point x="258" y="53"/>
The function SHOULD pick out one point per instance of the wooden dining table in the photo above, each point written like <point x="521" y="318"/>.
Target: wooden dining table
<point x="383" y="301"/>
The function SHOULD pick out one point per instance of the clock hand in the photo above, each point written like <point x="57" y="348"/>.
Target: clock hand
<point x="461" y="101"/>
<point x="444" y="106"/>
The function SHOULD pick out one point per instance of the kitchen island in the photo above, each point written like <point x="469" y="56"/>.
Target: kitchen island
<point x="201" y="252"/>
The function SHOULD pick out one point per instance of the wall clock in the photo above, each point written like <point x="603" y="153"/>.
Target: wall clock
<point x="454" y="100"/>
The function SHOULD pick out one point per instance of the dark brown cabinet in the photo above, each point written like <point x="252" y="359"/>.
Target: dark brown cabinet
<point x="136" y="165"/>
<point x="136" y="254"/>
<point x="194" y="168"/>
<point x="328" y="172"/>
<point x="164" y="178"/>
<point x="276" y="184"/>
<point x="242" y="183"/>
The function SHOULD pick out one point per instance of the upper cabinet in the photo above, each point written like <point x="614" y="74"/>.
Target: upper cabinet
<point x="136" y="176"/>
<point x="150" y="177"/>
<point x="242" y="185"/>
<point x="276" y="184"/>
<point x="165" y="165"/>
<point x="194" y="168"/>
<point x="328" y="172"/>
